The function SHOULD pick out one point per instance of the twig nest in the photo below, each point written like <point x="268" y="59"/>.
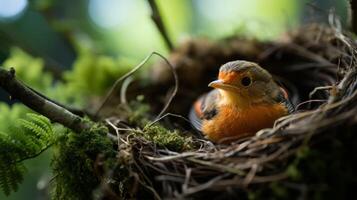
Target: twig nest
<point x="302" y="152"/>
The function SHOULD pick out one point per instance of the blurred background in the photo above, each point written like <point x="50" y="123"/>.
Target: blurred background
<point x="57" y="31"/>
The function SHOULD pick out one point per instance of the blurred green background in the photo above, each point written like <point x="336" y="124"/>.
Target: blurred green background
<point x="58" y="34"/>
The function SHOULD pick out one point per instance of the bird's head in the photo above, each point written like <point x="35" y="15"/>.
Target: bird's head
<point x="245" y="83"/>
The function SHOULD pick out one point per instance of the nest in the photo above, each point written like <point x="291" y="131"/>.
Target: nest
<point x="317" y="65"/>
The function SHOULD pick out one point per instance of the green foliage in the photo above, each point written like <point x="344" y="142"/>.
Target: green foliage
<point x="29" y="70"/>
<point x="9" y="115"/>
<point x="74" y="163"/>
<point x="26" y="140"/>
<point x="93" y="74"/>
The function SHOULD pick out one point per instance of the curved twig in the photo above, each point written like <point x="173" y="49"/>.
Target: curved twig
<point x="131" y="72"/>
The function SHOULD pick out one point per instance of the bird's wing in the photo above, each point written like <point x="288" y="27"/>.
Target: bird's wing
<point x="204" y="108"/>
<point x="283" y="97"/>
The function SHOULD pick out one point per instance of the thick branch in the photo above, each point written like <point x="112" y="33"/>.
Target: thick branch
<point x="31" y="99"/>
<point x="156" y="17"/>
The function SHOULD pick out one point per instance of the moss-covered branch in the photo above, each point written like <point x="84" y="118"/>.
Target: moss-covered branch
<point x="36" y="102"/>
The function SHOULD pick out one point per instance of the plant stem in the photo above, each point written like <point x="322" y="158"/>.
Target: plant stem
<point x="156" y="17"/>
<point x="38" y="103"/>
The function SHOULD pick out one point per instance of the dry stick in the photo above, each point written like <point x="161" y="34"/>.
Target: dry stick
<point x="156" y="17"/>
<point x="250" y="176"/>
<point x="167" y="115"/>
<point x="31" y="99"/>
<point x="123" y="90"/>
<point x="220" y="167"/>
<point x="320" y="88"/>
<point x="310" y="101"/>
<point x="116" y="131"/>
<point x="204" y="186"/>
<point x="131" y="72"/>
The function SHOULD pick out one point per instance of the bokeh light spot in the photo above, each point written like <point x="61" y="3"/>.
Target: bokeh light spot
<point x="110" y="13"/>
<point x="12" y="8"/>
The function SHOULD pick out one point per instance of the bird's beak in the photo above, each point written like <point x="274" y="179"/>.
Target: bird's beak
<point x="216" y="84"/>
<point x="219" y="84"/>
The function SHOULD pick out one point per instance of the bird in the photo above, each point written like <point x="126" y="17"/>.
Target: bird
<point x="245" y="99"/>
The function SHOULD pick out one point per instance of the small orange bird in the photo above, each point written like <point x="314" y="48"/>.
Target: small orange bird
<point x="245" y="100"/>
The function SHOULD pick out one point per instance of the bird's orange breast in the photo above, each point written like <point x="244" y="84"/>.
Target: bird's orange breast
<point x="233" y="123"/>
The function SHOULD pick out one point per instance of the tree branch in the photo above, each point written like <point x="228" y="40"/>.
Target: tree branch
<point x="36" y="102"/>
<point x="156" y="17"/>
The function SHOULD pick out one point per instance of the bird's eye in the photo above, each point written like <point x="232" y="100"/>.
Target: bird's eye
<point x="246" y="81"/>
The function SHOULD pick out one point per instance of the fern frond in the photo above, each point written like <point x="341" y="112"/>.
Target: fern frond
<point x="36" y="130"/>
<point x="42" y="121"/>
<point x="27" y="139"/>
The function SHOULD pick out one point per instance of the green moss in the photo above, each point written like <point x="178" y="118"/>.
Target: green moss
<point x="74" y="163"/>
<point x="138" y="112"/>
<point x="165" y="138"/>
